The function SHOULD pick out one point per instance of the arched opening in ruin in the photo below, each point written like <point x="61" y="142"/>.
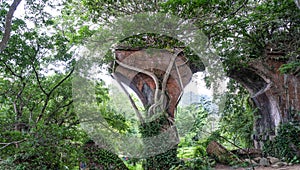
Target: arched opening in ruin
<point x="275" y="95"/>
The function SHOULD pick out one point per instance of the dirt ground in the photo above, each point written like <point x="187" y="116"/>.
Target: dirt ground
<point x="224" y="167"/>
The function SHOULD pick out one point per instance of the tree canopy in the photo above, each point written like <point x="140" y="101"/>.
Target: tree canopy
<point x="39" y="126"/>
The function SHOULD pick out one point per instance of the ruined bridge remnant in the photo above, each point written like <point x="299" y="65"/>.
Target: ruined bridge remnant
<point x="157" y="76"/>
<point x="275" y="95"/>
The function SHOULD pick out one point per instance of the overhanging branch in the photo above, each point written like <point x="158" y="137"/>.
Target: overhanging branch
<point x="48" y="95"/>
<point x="8" y="21"/>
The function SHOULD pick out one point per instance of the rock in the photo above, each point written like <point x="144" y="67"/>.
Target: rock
<point x="220" y="153"/>
<point x="249" y="168"/>
<point x="279" y="164"/>
<point x="273" y="160"/>
<point x="254" y="163"/>
<point x="275" y="166"/>
<point x="251" y="161"/>
<point x="215" y="149"/>
<point x="290" y="164"/>
<point x="264" y="162"/>
<point x="248" y="160"/>
<point x="257" y="159"/>
<point x="247" y="152"/>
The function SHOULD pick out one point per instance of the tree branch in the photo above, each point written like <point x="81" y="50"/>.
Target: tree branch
<point x="38" y="80"/>
<point x="60" y="82"/>
<point x="297" y="3"/>
<point x="57" y="109"/>
<point x="168" y="71"/>
<point x="11" y="143"/>
<point x="8" y="21"/>
<point x="10" y="70"/>
<point x="180" y="82"/>
<point x="49" y="94"/>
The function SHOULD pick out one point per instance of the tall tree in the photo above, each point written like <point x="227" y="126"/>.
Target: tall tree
<point x="39" y="127"/>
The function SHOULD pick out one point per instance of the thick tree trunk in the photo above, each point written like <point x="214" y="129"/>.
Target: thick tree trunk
<point x="276" y="95"/>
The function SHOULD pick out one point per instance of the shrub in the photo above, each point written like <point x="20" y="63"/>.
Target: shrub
<point x="286" y="145"/>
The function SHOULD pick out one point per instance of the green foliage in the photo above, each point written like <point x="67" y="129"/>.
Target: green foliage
<point x="240" y="31"/>
<point x="286" y="144"/>
<point x="103" y="10"/>
<point x="51" y="147"/>
<point x="202" y="163"/>
<point x="197" y="118"/>
<point x="153" y="128"/>
<point x="164" y="160"/>
<point x="98" y="158"/>
<point x="152" y="40"/>
<point x="137" y="166"/>
<point x="116" y="120"/>
<point x="38" y="126"/>
<point x="291" y="67"/>
<point x="236" y="123"/>
<point x="192" y="146"/>
<point x="197" y="150"/>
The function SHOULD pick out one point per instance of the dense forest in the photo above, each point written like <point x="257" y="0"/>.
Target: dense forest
<point x="101" y="84"/>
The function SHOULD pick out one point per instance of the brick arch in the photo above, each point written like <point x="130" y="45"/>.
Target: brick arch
<point x="143" y="85"/>
<point x="276" y="95"/>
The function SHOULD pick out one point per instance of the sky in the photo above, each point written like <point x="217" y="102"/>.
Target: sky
<point x="20" y="11"/>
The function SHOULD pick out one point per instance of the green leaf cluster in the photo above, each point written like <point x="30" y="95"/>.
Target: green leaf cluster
<point x="286" y="144"/>
<point x="237" y="120"/>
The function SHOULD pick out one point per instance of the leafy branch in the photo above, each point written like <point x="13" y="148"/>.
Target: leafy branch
<point x="48" y="95"/>
<point x="11" y="143"/>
